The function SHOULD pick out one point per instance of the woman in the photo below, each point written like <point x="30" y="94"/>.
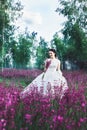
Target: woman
<point x="51" y="80"/>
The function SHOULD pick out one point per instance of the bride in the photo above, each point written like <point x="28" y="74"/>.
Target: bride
<point x="51" y="80"/>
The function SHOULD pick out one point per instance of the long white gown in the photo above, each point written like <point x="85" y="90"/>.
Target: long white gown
<point x="51" y="81"/>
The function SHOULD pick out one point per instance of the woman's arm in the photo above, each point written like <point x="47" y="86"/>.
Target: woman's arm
<point x="58" y="67"/>
<point x="45" y="66"/>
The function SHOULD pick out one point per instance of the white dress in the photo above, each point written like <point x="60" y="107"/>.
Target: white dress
<point x="51" y="81"/>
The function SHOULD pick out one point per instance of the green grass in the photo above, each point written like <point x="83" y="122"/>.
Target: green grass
<point x="1" y="80"/>
<point x="15" y="81"/>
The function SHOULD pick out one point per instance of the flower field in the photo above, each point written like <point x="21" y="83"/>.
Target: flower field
<point x="39" y="112"/>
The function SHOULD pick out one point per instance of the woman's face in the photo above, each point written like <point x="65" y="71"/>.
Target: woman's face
<point x="51" y="54"/>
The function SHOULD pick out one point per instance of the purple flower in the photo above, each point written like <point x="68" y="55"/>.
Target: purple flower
<point x="48" y="62"/>
<point x="83" y="104"/>
<point x="60" y="118"/>
<point x="28" y="116"/>
<point x="82" y="120"/>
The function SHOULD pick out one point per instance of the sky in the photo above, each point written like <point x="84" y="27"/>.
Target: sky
<point x="40" y="16"/>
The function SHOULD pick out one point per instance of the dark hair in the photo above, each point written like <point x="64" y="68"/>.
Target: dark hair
<point x="54" y="51"/>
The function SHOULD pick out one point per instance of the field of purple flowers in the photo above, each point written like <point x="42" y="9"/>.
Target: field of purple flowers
<point x="18" y="77"/>
<point x="39" y="112"/>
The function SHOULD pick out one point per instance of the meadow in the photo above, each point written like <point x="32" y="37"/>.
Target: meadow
<point x="42" y="112"/>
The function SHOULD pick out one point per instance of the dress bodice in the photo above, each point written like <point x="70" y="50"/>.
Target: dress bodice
<point x="53" y="65"/>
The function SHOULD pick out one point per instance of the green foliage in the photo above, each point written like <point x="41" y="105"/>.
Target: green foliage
<point x="75" y="11"/>
<point x="58" y="43"/>
<point x="22" y="51"/>
<point x="9" y="12"/>
<point x="41" y="53"/>
<point x="75" y="28"/>
<point x="76" y="44"/>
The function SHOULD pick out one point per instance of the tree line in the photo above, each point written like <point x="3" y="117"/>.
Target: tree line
<point x="27" y="51"/>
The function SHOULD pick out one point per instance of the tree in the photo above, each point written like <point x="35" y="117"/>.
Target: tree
<point x="75" y="29"/>
<point x="22" y="50"/>
<point x="75" y="11"/>
<point x="9" y="11"/>
<point x="41" y="53"/>
<point x="60" y="47"/>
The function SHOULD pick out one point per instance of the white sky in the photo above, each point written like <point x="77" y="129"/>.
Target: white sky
<point x="40" y="16"/>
